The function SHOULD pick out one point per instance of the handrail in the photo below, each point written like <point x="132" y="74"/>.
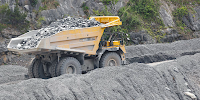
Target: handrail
<point x="108" y="21"/>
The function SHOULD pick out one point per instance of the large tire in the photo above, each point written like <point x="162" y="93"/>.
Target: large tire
<point x="110" y="59"/>
<point x="54" y="67"/>
<point x="30" y="68"/>
<point x="68" y="65"/>
<point x="39" y="70"/>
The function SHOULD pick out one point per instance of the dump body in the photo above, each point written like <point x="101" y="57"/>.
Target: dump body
<point x="83" y="40"/>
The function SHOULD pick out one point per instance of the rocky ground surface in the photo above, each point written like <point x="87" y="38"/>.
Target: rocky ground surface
<point x="163" y="51"/>
<point x="8" y="73"/>
<point x="177" y="79"/>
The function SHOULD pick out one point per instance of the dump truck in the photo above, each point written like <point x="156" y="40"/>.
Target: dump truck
<point x="73" y="51"/>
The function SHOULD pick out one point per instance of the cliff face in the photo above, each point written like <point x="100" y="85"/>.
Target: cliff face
<point x="65" y="8"/>
<point x="192" y="19"/>
<point x="75" y="8"/>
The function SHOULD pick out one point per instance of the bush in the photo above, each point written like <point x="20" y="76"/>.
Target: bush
<point x="15" y="19"/>
<point x="139" y="14"/>
<point x="180" y="12"/>
<point x="40" y="20"/>
<point x="130" y="20"/>
<point x="2" y="27"/>
<point x="147" y="8"/>
<point x="178" y="15"/>
<point x="85" y="9"/>
<point x="106" y="2"/>
<point x="185" y="2"/>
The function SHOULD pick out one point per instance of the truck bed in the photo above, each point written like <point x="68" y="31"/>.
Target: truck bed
<point x="83" y="40"/>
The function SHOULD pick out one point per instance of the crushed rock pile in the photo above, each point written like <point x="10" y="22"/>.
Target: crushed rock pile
<point x="10" y="73"/>
<point x="177" y="80"/>
<point x="56" y="27"/>
<point x="164" y="51"/>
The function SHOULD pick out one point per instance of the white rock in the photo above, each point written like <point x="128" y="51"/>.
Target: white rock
<point x="191" y="95"/>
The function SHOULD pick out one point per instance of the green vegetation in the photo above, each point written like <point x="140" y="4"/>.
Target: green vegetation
<point x="140" y="15"/>
<point x="138" y="11"/>
<point x="15" y="18"/>
<point x="50" y="4"/>
<point x="85" y="9"/>
<point x="106" y="2"/>
<point x="47" y="4"/>
<point x="185" y="2"/>
<point x="178" y="14"/>
<point x="2" y="26"/>
<point x="33" y="2"/>
<point x="40" y="21"/>
<point x="103" y="12"/>
<point x="155" y="33"/>
<point x="136" y="15"/>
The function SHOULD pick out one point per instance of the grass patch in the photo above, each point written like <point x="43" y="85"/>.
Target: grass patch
<point x="107" y="2"/>
<point x="185" y="2"/>
<point x="178" y="14"/>
<point x="40" y="20"/>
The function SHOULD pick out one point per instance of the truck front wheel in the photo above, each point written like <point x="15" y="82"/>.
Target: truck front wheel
<point x="68" y="65"/>
<point x="110" y="59"/>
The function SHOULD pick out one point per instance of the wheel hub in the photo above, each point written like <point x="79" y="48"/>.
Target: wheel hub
<point x="70" y="69"/>
<point x="112" y="62"/>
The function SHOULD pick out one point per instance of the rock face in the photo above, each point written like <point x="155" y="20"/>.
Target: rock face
<point x="74" y="8"/>
<point x="171" y="35"/>
<point x="192" y="20"/>
<point x="67" y="8"/>
<point x="98" y="5"/>
<point x="9" y="33"/>
<point x="166" y="13"/>
<point x="141" y="37"/>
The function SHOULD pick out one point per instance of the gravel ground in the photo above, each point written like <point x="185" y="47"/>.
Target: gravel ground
<point x="9" y="73"/>
<point x="160" y="52"/>
<point x="168" y="81"/>
<point x="174" y="80"/>
<point x="21" y="60"/>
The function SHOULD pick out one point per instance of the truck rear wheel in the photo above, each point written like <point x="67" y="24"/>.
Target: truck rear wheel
<point x="39" y="70"/>
<point x="54" y="67"/>
<point x="110" y="59"/>
<point x="68" y="65"/>
<point x="30" y="68"/>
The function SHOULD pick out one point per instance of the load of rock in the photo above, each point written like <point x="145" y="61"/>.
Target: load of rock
<point x="68" y="23"/>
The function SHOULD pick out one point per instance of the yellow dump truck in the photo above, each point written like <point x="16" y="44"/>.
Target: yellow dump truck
<point x="74" y="51"/>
